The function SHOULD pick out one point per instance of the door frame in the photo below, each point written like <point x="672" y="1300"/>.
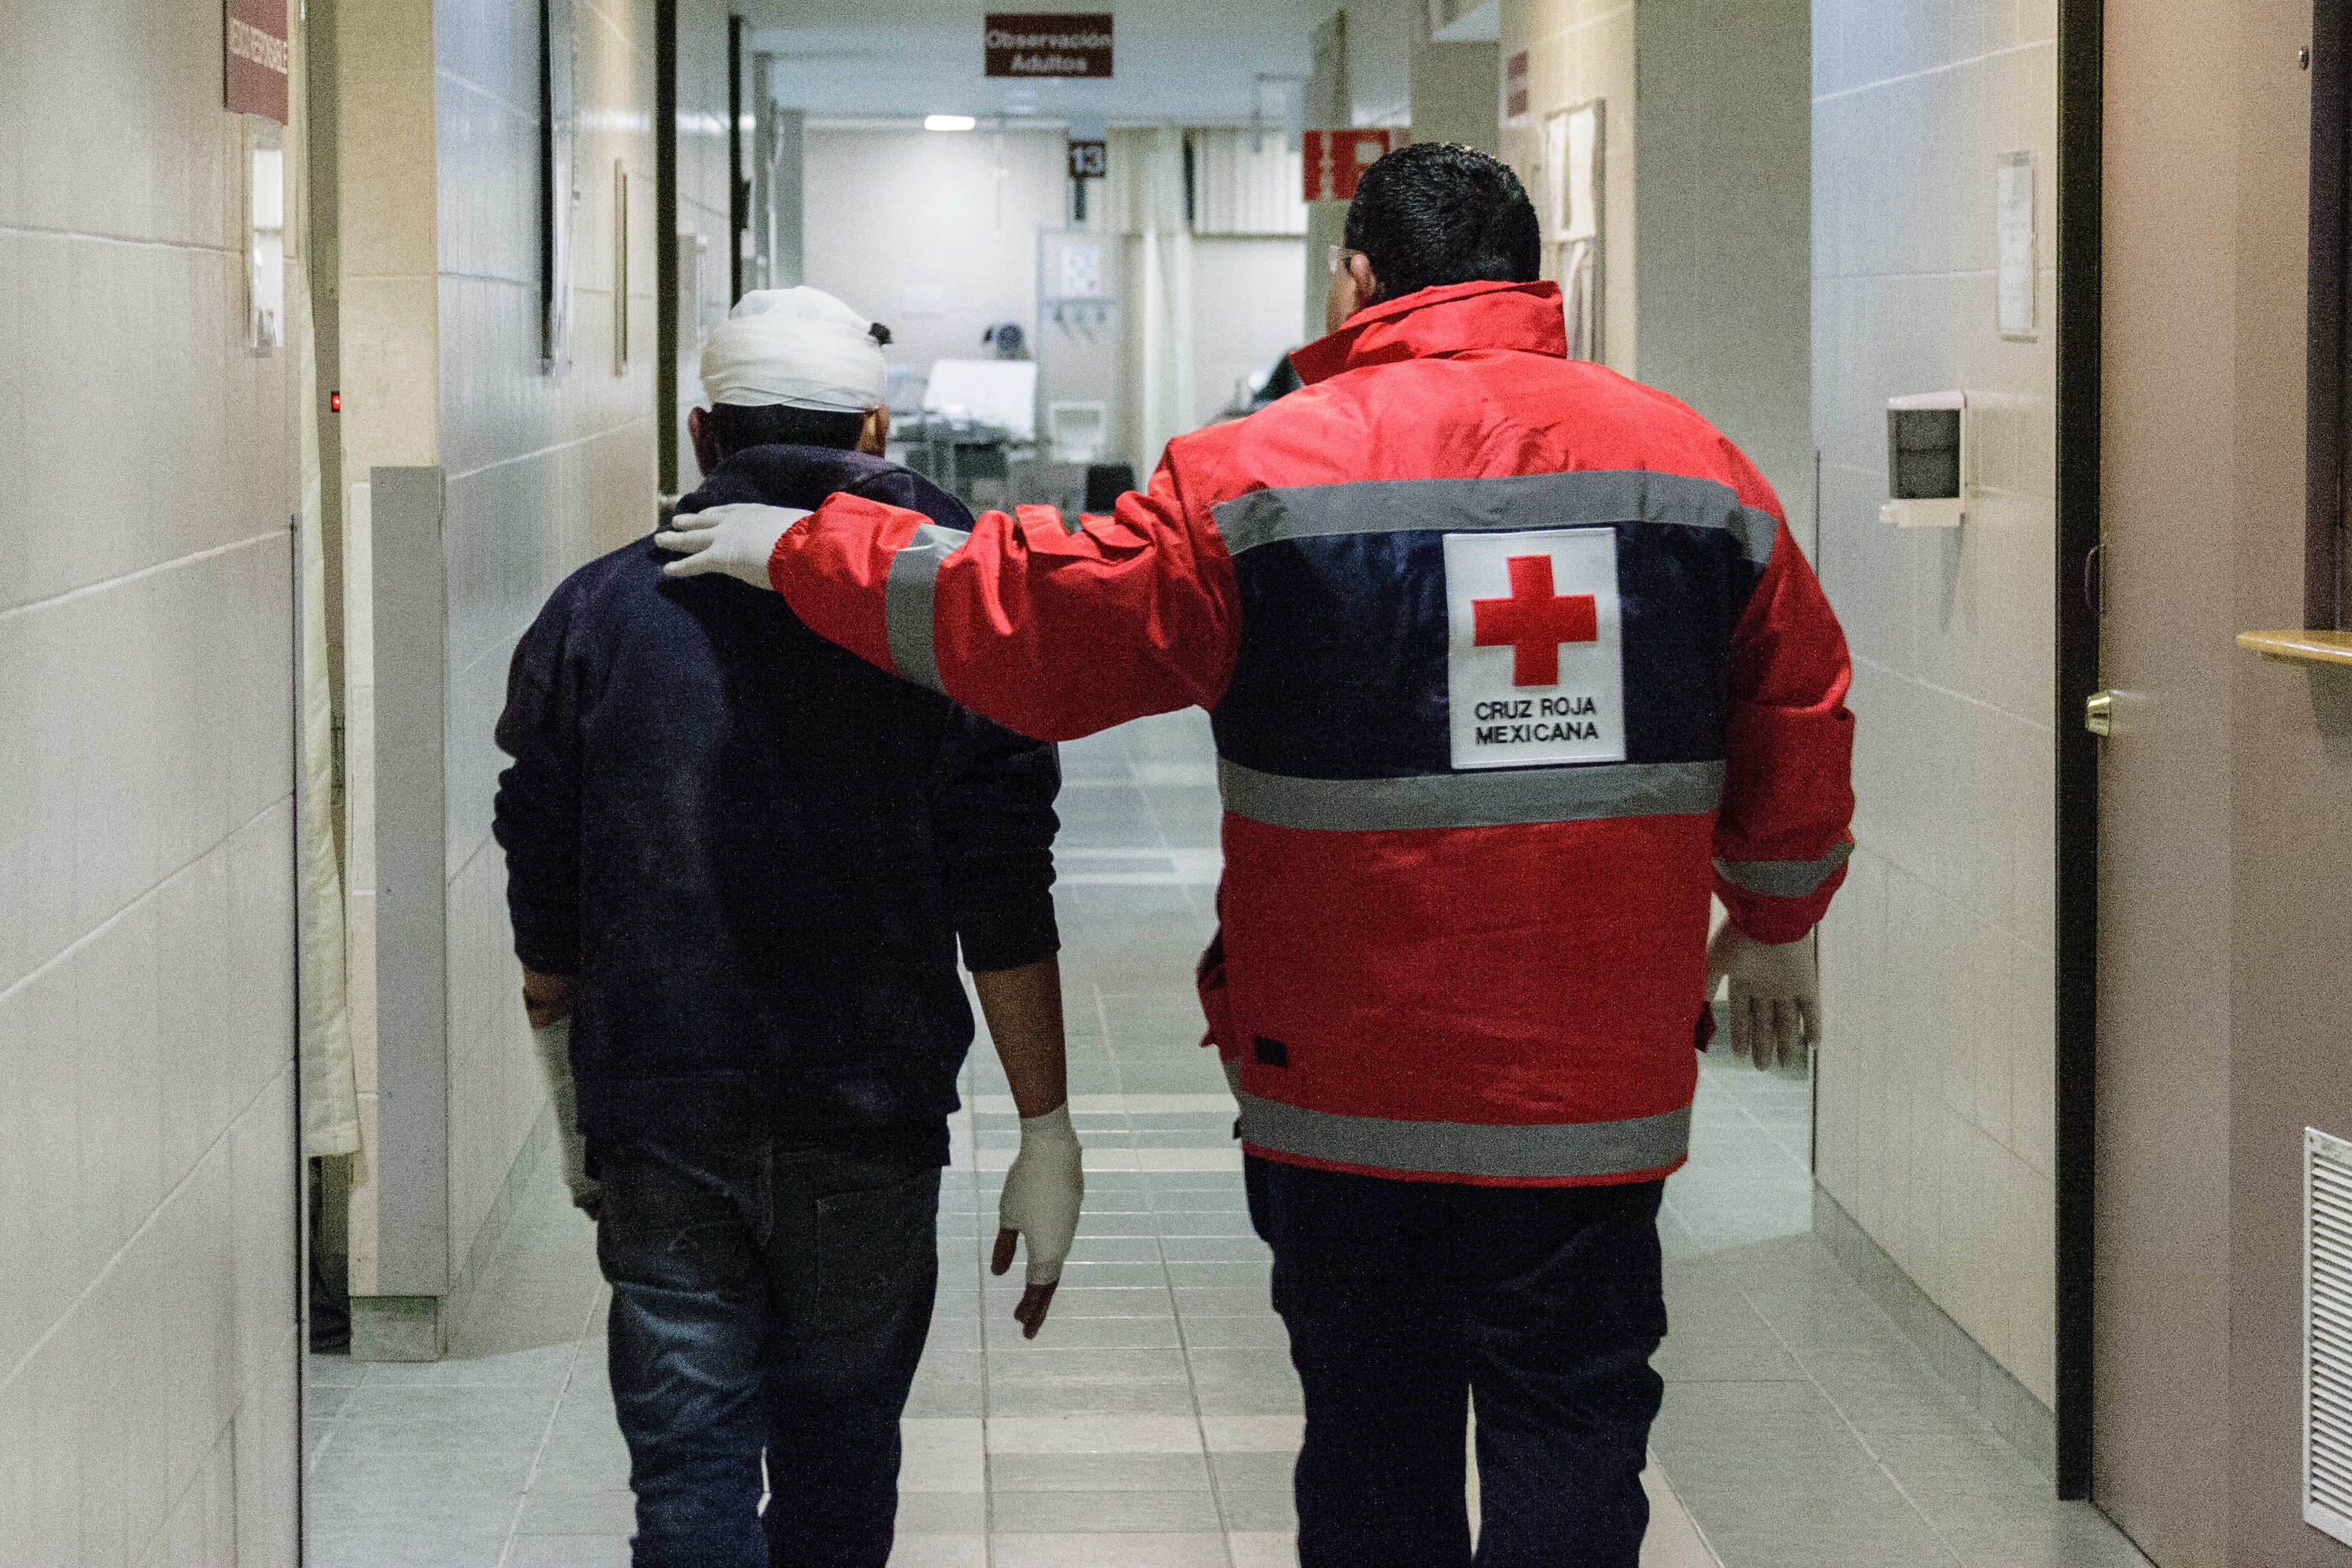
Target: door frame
<point x="2081" y="120"/>
<point x="665" y="323"/>
<point x="2325" y="566"/>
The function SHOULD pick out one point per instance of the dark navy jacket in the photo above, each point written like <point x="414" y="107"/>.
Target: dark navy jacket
<point x="756" y="853"/>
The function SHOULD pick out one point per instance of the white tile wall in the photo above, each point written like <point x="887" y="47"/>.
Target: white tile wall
<point x="441" y="337"/>
<point x="146" y="959"/>
<point x="702" y="199"/>
<point x="544" y="472"/>
<point x="1937" y="1077"/>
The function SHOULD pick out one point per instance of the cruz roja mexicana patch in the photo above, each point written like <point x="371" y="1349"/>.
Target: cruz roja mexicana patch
<point x="1536" y="662"/>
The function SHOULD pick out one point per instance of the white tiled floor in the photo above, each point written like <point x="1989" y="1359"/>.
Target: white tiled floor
<point x="1153" y="1425"/>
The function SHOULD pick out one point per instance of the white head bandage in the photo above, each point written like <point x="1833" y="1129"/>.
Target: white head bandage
<point x="798" y="347"/>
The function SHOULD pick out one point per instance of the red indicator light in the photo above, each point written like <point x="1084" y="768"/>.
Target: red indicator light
<point x="334" y="402"/>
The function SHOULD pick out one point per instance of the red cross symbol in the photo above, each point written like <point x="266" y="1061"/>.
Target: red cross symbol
<point x="1534" y="621"/>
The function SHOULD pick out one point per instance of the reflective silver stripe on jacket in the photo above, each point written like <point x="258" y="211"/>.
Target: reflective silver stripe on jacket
<point x="1783" y="879"/>
<point x="1506" y="504"/>
<point x="1552" y="1150"/>
<point x="1486" y="798"/>
<point x="907" y="597"/>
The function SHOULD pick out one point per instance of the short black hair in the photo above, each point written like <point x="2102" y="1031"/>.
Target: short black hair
<point x="1434" y="213"/>
<point x="737" y="426"/>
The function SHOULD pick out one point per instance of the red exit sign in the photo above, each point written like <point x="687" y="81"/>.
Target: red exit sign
<point x="255" y="57"/>
<point x="1048" y="43"/>
<point x="1336" y="160"/>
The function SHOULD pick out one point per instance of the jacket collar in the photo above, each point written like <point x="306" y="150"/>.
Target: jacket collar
<point x="1439" y="322"/>
<point x="792" y="466"/>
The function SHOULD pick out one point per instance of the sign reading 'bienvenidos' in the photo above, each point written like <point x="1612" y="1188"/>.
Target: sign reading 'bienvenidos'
<point x="1048" y="43"/>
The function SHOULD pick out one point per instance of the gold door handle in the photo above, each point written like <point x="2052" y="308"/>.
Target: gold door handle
<point x="2099" y="712"/>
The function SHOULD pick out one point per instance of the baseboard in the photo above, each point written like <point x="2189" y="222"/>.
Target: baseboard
<point x="527" y="1162"/>
<point x="398" y="1328"/>
<point x="418" y="1328"/>
<point x="1983" y="1384"/>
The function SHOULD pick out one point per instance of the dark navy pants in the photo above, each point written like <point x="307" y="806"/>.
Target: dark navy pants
<point x="765" y="1303"/>
<point x="1406" y="1302"/>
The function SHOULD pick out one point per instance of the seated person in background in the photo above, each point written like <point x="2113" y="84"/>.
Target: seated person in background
<point x="740" y="864"/>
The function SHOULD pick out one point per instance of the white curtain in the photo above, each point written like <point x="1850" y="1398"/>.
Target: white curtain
<point x="330" y="1101"/>
<point x="1247" y="182"/>
<point x="1145" y="202"/>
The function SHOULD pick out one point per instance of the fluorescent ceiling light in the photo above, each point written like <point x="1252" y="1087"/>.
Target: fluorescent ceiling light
<point x="949" y="122"/>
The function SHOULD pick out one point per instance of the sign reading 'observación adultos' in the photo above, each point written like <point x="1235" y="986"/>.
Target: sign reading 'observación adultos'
<point x="1048" y="43"/>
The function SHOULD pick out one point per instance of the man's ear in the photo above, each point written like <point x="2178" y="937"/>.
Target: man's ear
<point x="706" y="442"/>
<point x="1368" y="283"/>
<point x="875" y="439"/>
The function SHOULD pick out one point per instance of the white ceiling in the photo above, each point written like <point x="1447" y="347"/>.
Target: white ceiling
<point x="1192" y="62"/>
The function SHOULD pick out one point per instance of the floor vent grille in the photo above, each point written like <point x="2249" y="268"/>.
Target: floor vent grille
<point x="2327" y="1334"/>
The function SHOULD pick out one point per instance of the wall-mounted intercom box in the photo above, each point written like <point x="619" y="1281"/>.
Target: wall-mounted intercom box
<point x="1930" y="461"/>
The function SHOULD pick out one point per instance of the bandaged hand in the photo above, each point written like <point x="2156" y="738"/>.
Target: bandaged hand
<point x="1043" y="1192"/>
<point x="1773" y="1013"/>
<point x="554" y="1045"/>
<point x="736" y="540"/>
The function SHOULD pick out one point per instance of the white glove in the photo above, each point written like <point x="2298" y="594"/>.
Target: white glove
<point x="1232" y="1066"/>
<point x="1041" y="1194"/>
<point x="554" y="1043"/>
<point x="1775" y="1007"/>
<point x="738" y="540"/>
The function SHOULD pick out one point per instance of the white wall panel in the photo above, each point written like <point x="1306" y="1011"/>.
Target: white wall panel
<point x="543" y="473"/>
<point x="146" y="1138"/>
<point x="917" y="230"/>
<point x="543" y="469"/>
<point x="1724" y="251"/>
<point x="1936" y="1079"/>
<point x="1245" y="313"/>
<point x="703" y="203"/>
<point x="1579" y="51"/>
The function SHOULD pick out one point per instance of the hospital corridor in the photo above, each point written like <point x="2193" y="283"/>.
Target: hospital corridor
<point x="1213" y="784"/>
<point x="1156" y="1425"/>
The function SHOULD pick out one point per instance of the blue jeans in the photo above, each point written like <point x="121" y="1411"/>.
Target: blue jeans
<point x="1405" y="1300"/>
<point x="765" y="1303"/>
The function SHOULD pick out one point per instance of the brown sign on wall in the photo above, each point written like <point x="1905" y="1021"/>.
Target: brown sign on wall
<point x="1048" y="43"/>
<point x="255" y="56"/>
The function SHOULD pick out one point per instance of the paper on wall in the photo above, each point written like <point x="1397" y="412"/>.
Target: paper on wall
<point x="2013" y="205"/>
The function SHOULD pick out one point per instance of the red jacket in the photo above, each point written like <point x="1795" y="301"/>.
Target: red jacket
<point x="1510" y="661"/>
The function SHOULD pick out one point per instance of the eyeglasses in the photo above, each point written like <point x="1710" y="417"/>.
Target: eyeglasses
<point x="1338" y="257"/>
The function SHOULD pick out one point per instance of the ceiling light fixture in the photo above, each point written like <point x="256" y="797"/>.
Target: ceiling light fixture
<point x="949" y="122"/>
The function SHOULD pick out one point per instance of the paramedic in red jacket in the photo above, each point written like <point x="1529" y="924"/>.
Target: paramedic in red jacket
<point x="1512" y="662"/>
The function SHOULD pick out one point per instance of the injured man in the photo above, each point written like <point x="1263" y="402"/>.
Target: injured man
<point x="741" y="863"/>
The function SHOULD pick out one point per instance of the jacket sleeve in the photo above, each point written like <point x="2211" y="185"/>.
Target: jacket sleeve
<point x="994" y="825"/>
<point x="537" y="817"/>
<point x="1782" y="838"/>
<point x="1052" y="631"/>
